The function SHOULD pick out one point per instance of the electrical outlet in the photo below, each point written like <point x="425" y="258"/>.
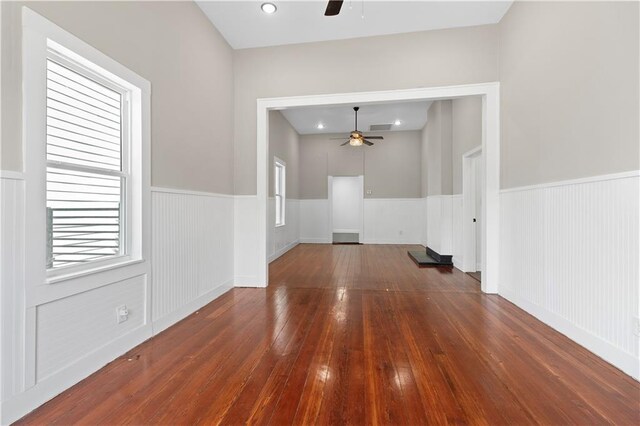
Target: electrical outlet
<point x="369" y="192"/>
<point x="122" y="313"/>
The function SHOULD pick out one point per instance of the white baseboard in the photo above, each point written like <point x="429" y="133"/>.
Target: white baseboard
<point x="605" y="350"/>
<point x="283" y="250"/>
<point x="25" y="402"/>
<point x="315" y="241"/>
<point x="247" y="281"/>
<point x="457" y="263"/>
<point x="398" y="242"/>
<point x="346" y="231"/>
<point x="170" y="319"/>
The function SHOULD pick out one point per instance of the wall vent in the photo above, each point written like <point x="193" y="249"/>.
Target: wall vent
<point x="379" y="127"/>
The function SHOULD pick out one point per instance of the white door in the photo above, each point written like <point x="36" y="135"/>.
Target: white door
<point x="347" y="204"/>
<point x="477" y="186"/>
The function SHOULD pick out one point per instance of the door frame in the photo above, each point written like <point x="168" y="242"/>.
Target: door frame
<point x="469" y="260"/>
<point x="361" y="199"/>
<point x="490" y="93"/>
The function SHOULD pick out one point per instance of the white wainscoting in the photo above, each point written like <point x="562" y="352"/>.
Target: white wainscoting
<point x="570" y="255"/>
<point x="12" y="286"/>
<point x="393" y="220"/>
<point x="386" y="221"/>
<point x="456" y="230"/>
<point x="70" y="333"/>
<point x="192" y="252"/>
<point x="245" y="251"/>
<point x="314" y="221"/>
<point x="281" y="239"/>
<point x="439" y="224"/>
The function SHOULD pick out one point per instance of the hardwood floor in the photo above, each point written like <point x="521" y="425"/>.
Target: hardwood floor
<point x="353" y="335"/>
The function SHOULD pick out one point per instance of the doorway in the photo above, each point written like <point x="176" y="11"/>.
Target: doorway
<point x="253" y="233"/>
<point x="346" y="200"/>
<point x="472" y="212"/>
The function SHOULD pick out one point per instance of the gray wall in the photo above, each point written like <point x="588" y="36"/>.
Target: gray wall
<point x="437" y="147"/>
<point x="391" y="167"/>
<point x="570" y="89"/>
<point x="431" y="58"/>
<point x="284" y="143"/>
<point x="466" y="134"/>
<point x="176" y="48"/>
<point x="453" y="128"/>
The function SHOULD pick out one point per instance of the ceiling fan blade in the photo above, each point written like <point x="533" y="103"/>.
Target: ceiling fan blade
<point x="333" y="7"/>
<point x="366" y="142"/>
<point x="374" y="137"/>
<point x="336" y="139"/>
<point x="343" y="144"/>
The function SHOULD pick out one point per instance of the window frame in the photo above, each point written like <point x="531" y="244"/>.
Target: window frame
<point x="40" y="38"/>
<point x="280" y="191"/>
<point x="125" y="213"/>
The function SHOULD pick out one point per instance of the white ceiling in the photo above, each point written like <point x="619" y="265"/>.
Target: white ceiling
<point x="340" y="119"/>
<point x="244" y="25"/>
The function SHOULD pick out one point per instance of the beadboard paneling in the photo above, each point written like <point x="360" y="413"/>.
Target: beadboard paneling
<point x="12" y="285"/>
<point x="314" y="221"/>
<point x="386" y="221"/>
<point x="283" y="238"/>
<point x="69" y="329"/>
<point x="439" y="224"/>
<point x="393" y="220"/>
<point x="569" y="255"/>
<point x="456" y="230"/>
<point x="192" y="248"/>
<point x="245" y="227"/>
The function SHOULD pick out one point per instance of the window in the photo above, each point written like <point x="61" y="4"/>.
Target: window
<point x="280" y="190"/>
<point x="87" y="175"/>
<point x="86" y="135"/>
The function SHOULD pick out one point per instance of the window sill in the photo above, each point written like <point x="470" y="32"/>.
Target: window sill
<point x="72" y="275"/>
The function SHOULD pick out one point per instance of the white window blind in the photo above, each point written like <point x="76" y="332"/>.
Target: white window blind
<point x="85" y="177"/>
<point x="280" y="191"/>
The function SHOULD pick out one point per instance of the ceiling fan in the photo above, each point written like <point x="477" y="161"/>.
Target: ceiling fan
<point x="356" y="138"/>
<point x="333" y="7"/>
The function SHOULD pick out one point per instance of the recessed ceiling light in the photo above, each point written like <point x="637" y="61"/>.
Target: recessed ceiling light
<point x="268" y="8"/>
<point x="320" y="126"/>
<point x="397" y="122"/>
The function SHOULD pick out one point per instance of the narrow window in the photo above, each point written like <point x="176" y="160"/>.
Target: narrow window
<point x="280" y="190"/>
<point x="87" y="172"/>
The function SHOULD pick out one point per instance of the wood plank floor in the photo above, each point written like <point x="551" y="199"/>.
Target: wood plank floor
<point x="353" y="335"/>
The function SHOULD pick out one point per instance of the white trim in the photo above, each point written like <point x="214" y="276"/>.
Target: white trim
<point x="39" y="37"/>
<point x="248" y="281"/>
<point x="457" y="263"/>
<point x="184" y="311"/>
<point x="283" y="250"/>
<point x="10" y="174"/>
<point x="393" y="199"/>
<point x="315" y="241"/>
<point x="346" y="231"/>
<point x="359" y="231"/>
<point x="469" y="261"/>
<point x="590" y="179"/>
<point x="189" y="192"/>
<point x="605" y="350"/>
<point x="279" y="164"/>
<point x="490" y="93"/>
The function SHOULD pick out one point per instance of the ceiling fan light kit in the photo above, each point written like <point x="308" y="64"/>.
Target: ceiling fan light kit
<point x="356" y="138"/>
